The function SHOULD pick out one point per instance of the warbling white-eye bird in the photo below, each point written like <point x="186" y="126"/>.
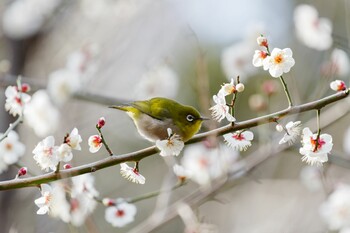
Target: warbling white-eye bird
<point x="153" y="117"/>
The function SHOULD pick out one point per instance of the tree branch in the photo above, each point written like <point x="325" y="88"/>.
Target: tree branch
<point x="141" y="154"/>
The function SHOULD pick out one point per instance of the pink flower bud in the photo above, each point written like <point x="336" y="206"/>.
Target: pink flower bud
<point x="25" y="88"/>
<point x="101" y="122"/>
<point x="22" y="171"/>
<point x="338" y="85"/>
<point x="108" y="202"/>
<point x="262" y="41"/>
<point x="67" y="166"/>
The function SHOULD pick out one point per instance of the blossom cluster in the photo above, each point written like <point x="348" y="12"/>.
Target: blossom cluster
<point x="64" y="82"/>
<point x="277" y="62"/>
<point x="48" y="155"/>
<point x="203" y="163"/>
<point x="72" y="202"/>
<point x="221" y="109"/>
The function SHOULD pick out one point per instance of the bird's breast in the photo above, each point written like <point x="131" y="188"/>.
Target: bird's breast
<point x="153" y="129"/>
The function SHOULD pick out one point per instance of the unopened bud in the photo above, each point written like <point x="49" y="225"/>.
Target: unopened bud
<point x="338" y="85"/>
<point x="279" y="128"/>
<point x="67" y="166"/>
<point x="101" y="122"/>
<point x="262" y="41"/>
<point x="240" y="87"/>
<point x="25" y="88"/>
<point x="22" y="171"/>
<point x="108" y="202"/>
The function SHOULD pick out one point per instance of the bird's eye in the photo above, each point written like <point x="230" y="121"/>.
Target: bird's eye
<point x="189" y="118"/>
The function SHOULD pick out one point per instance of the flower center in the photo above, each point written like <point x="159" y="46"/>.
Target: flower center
<point x="48" y="151"/>
<point x="18" y="100"/>
<point x="8" y="146"/>
<point x="120" y="213"/>
<point x="238" y="137"/>
<point x="97" y="141"/>
<point x="317" y="145"/>
<point x="136" y="171"/>
<point x="47" y="197"/>
<point x="74" y="204"/>
<point x="203" y="163"/>
<point x="263" y="54"/>
<point x="278" y="59"/>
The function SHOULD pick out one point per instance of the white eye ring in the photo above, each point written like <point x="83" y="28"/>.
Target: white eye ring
<point x="189" y="118"/>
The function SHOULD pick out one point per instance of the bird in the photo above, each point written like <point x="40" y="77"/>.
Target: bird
<point x="153" y="118"/>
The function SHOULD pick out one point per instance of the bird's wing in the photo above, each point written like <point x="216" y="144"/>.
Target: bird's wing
<point x="158" y="110"/>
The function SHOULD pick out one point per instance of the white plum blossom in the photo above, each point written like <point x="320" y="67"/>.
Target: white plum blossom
<point x="311" y="30"/>
<point x="15" y="100"/>
<point x="336" y="209"/>
<point x="82" y="202"/>
<point x="46" y="154"/>
<point x="220" y="110"/>
<point x="75" y="205"/>
<point x="160" y="80"/>
<point x="279" y="61"/>
<point x="258" y="58"/>
<point x="227" y="89"/>
<point x="239" y="141"/>
<point x="230" y="88"/>
<point x="84" y="184"/>
<point x="202" y="164"/>
<point x="236" y="60"/>
<point x="95" y="143"/>
<point x="131" y="174"/>
<point x="121" y="214"/>
<point x="74" y="139"/>
<point x="11" y="149"/>
<point x="315" y="151"/>
<point x="338" y="65"/>
<point x="172" y="146"/>
<point x="181" y="172"/>
<point x="62" y="84"/>
<point x="338" y="85"/>
<point x="59" y="206"/>
<point x="340" y="62"/>
<point x="24" y="18"/>
<point x="83" y="61"/>
<point x="41" y="115"/>
<point x="64" y="153"/>
<point x="45" y="201"/>
<point x="293" y="130"/>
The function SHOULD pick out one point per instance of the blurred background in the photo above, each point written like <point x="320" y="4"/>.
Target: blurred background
<point x="123" y="50"/>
